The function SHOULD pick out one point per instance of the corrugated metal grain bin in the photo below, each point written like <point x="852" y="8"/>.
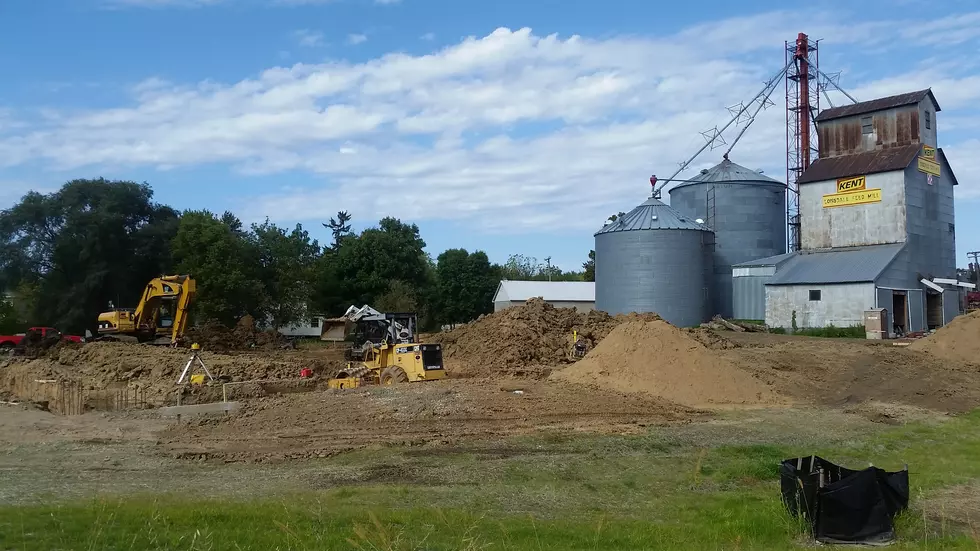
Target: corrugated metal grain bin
<point x="747" y="212"/>
<point x="654" y="259"/>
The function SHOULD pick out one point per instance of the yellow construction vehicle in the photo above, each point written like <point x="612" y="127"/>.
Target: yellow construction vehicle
<point x="397" y="357"/>
<point x="579" y="347"/>
<point x="161" y="316"/>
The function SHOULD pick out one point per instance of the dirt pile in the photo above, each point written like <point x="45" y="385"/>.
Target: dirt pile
<point x="244" y="336"/>
<point x="102" y="365"/>
<point x="657" y="358"/>
<point x="958" y="341"/>
<point x="524" y="341"/>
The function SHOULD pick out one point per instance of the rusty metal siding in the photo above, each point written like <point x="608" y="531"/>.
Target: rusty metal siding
<point x="914" y="126"/>
<point x="896" y="127"/>
<point x="871" y="162"/>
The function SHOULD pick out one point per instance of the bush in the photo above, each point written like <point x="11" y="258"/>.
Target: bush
<point x="830" y="332"/>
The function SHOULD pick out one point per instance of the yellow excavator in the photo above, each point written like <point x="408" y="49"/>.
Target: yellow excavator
<point x="161" y="317"/>
<point x="393" y="356"/>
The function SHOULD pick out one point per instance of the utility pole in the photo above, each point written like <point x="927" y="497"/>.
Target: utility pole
<point x="548" y="260"/>
<point x="974" y="266"/>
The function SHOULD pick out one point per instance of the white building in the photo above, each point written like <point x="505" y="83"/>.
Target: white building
<point x="560" y="294"/>
<point x="311" y="327"/>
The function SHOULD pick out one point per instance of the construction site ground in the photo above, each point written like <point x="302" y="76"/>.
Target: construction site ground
<point x="559" y="456"/>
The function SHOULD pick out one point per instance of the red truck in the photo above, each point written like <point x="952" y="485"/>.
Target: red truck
<point x="973" y="301"/>
<point x="8" y="342"/>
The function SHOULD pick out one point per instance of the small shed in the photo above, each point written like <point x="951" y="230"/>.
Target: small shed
<point x="560" y="294"/>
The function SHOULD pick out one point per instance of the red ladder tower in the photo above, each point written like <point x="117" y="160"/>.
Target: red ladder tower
<point x="802" y="106"/>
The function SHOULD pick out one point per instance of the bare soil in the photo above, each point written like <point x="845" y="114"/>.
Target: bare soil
<point x="640" y="371"/>
<point x="959" y="341"/>
<point x="442" y="413"/>
<point x="657" y="358"/>
<point x="524" y="341"/>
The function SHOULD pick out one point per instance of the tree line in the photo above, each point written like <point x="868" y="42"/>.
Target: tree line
<point x="65" y="256"/>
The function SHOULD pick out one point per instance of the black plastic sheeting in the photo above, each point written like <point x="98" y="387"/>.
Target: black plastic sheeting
<point x="855" y="507"/>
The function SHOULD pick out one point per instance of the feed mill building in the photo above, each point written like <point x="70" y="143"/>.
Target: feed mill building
<point x="877" y="226"/>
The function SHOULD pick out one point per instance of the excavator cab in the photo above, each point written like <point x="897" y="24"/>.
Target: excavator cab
<point x="161" y="317"/>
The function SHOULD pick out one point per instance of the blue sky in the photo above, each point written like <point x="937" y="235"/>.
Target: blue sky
<point x="508" y="126"/>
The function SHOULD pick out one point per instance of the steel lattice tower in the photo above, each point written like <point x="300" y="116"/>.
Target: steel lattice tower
<point x="802" y="105"/>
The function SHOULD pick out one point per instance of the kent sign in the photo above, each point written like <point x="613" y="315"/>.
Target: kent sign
<point x="857" y="183"/>
<point x="852" y="191"/>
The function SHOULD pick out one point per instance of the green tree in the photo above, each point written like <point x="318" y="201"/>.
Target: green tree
<point x="287" y="270"/>
<point x="10" y="322"/>
<point x="399" y="297"/>
<point x="589" y="268"/>
<point x="226" y="265"/>
<point x="466" y="283"/>
<point x="521" y="268"/>
<point x="339" y="227"/>
<point x="89" y="243"/>
<point x="364" y="267"/>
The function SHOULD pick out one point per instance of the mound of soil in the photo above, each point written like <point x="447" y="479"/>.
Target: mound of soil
<point x="657" y="358"/>
<point x="245" y="335"/>
<point x="524" y="341"/>
<point x="958" y="341"/>
<point x="102" y="365"/>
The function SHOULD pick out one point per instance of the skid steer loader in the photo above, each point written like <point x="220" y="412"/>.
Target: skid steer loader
<point x="397" y="357"/>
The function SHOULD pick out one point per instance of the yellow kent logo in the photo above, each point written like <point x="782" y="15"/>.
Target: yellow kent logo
<point x="846" y="185"/>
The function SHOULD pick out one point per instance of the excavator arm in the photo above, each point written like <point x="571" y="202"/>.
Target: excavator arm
<point x="181" y="315"/>
<point x="179" y="290"/>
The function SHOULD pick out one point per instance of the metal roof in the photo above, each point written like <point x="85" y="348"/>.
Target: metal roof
<point x="558" y="291"/>
<point x="858" y="164"/>
<point x="767" y="261"/>
<point x="879" y="104"/>
<point x="727" y="171"/>
<point x="850" y="265"/>
<point x="652" y="215"/>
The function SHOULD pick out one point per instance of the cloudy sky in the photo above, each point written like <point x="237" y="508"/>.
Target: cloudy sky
<point x="510" y="126"/>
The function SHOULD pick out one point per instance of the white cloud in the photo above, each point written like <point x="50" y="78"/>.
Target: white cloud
<point x="428" y="36"/>
<point x="308" y="38"/>
<point x="965" y="162"/>
<point x="12" y="191"/>
<point x="511" y="131"/>
<point x="356" y="38"/>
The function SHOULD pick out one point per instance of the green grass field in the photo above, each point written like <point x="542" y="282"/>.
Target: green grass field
<point x="698" y="486"/>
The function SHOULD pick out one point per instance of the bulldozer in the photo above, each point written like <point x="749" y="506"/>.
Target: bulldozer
<point x="387" y="351"/>
<point x="161" y="317"/>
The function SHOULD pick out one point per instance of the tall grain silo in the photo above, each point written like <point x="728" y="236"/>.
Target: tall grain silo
<point x="747" y="212"/>
<point x="654" y="259"/>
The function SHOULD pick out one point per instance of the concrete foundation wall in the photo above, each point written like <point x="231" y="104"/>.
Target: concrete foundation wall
<point x="854" y="225"/>
<point x="840" y="304"/>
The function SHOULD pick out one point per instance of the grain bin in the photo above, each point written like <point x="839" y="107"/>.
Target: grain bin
<point x="654" y="259"/>
<point x="747" y="213"/>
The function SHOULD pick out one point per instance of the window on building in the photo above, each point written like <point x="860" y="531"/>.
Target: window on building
<point x="867" y="125"/>
<point x="814" y="294"/>
<point x="928" y="120"/>
<point x="315" y="322"/>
